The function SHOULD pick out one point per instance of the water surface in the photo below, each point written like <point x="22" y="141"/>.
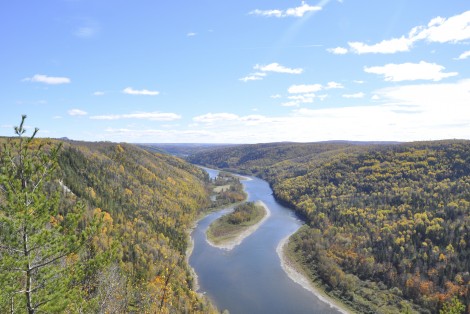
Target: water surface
<point x="249" y="278"/>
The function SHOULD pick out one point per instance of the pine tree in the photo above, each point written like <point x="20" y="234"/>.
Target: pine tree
<point x="39" y="240"/>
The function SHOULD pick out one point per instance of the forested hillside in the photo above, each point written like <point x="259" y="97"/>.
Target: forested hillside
<point x="383" y="221"/>
<point x="135" y="260"/>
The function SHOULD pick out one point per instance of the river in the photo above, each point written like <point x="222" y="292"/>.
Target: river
<point x="249" y="278"/>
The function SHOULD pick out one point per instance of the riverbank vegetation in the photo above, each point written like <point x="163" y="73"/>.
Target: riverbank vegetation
<point x="143" y="203"/>
<point x="387" y="225"/>
<point x="231" y="225"/>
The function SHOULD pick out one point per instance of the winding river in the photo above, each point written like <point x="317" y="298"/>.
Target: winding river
<point x="249" y="278"/>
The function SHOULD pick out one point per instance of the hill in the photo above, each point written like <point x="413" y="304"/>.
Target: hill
<point x="383" y="221"/>
<point x="136" y="261"/>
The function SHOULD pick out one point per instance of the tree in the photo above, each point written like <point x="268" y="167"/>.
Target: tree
<point x="453" y="306"/>
<point x="39" y="240"/>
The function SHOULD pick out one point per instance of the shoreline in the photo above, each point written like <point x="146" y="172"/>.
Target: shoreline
<point x="229" y="245"/>
<point x="293" y="273"/>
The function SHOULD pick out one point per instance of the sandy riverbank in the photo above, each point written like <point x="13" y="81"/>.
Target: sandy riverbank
<point x="301" y="279"/>
<point x="230" y="244"/>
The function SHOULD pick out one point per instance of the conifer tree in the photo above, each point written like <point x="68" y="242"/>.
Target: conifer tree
<point x="39" y="240"/>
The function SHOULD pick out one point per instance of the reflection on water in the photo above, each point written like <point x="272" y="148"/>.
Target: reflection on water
<point x="249" y="278"/>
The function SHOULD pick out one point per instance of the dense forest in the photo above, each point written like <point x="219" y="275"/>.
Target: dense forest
<point x="113" y="241"/>
<point x="384" y="222"/>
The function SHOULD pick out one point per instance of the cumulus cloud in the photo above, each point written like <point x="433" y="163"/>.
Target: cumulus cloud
<point x="152" y="116"/>
<point x="356" y="95"/>
<point x="464" y="55"/>
<point x="442" y="30"/>
<point x="98" y="93"/>
<point x="411" y="71"/>
<point x="277" y="68"/>
<point x="303" y="89"/>
<point x="77" y="112"/>
<point x="338" y="50"/>
<point x="304" y="93"/>
<point x="333" y="85"/>
<point x="253" y="77"/>
<point x="386" y="46"/>
<point x="131" y="91"/>
<point x="299" y="11"/>
<point x="50" y="80"/>
<point x="263" y="70"/>
<point x="439" y="30"/>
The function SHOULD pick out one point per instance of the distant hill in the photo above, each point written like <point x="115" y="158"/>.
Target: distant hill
<point x="181" y="150"/>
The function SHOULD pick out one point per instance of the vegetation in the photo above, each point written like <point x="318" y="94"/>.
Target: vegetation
<point x="133" y="263"/>
<point x="226" y="189"/>
<point x="383" y="220"/>
<point x="231" y="225"/>
<point x="40" y="234"/>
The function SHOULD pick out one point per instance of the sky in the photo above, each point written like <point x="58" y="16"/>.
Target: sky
<point x="236" y="71"/>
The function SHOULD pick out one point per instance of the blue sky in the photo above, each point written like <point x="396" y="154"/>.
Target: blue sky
<point x="236" y="71"/>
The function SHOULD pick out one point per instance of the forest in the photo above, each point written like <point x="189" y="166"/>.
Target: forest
<point x="96" y="228"/>
<point x="387" y="226"/>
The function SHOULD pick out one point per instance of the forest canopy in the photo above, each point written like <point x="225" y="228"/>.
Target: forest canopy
<point x="391" y="218"/>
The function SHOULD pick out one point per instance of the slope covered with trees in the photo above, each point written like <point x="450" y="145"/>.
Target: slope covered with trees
<point x="143" y="203"/>
<point x="384" y="222"/>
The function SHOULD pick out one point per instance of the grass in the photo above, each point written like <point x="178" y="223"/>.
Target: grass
<point x="233" y="224"/>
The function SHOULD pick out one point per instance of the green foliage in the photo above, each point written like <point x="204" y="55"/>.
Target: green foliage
<point x="231" y="225"/>
<point x="38" y="237"/>
<point x="242" y="213"/>
<point x="453" y="306"/>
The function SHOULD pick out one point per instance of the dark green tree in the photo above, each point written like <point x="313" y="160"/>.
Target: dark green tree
<point x="39" y="239"/>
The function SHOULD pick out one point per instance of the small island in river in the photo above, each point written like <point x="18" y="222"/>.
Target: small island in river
<point x="229" y="230"/>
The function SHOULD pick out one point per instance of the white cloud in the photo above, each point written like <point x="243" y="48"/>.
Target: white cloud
<point x="277" y="68"/>
<point x="464" y="55"/>
<point x="375" y="97"/>
<point x="440" y="30"/>
<point x="333" y="85"/>
<point x="277" y="96"/>
<point x="131" y="91"/>
<point x="338" y="50"/>
<point x="263" y="71"/>
<point x="411" y="71"/>
<point x="358" y="82"/>
<point x="253" y="77"/>
<point x="305" y="98"/>
<point x="77" y="112"/>
<point x="153" y="116"/>
<point x="404" y="113"/>
<point x="50" y="80"/>
<point x="214" y="117"/>
<point x="299" y="11"/>
<point x="385" y="46"/>
<point x="304" y="89"/>
<point x="191" y="34"/>
<point x="98" y="93"/>
<point x="356" y="95"/>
